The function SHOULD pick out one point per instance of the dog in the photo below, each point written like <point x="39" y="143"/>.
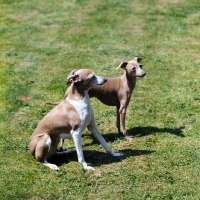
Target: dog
<point x="68" y="120"/>
<point x="117" y="91"/>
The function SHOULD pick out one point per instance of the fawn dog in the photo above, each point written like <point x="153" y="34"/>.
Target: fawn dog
<point x="68" y="120"/>
<point x="117" y="91"/>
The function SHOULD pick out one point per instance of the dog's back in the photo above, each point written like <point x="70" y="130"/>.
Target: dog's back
<point x="108" y="93"/>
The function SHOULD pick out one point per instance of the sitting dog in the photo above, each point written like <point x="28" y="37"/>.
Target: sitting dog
<point x="68" y="120"/>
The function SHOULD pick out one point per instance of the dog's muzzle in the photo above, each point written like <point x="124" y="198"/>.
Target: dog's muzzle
<point x="100" y="80"/>
<point x="105" y="80"/>
<point x="144" y="74"/>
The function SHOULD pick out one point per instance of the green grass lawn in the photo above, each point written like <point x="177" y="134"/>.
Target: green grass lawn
<point x="42" y="41"/>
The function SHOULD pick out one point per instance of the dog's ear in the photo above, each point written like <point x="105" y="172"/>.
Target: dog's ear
<point x="122" y="65"/>
<point x="71" y="73"/>
<point x="72" y="79"/>
<point x="138" y="59"/>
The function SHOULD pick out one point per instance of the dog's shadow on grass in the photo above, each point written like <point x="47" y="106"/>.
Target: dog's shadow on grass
<point x="144" y="131"/>
<point x="149" y="130"/>
<point x="139" y="132"/>
<point x="96" y="158"/>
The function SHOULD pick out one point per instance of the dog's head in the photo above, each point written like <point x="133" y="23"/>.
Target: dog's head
<point x="85" y="78"/>
<point x="133" y="67"/>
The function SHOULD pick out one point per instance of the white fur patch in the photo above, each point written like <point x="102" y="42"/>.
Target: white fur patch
<point x="65" y="135"/>
<point x="99" y="80"/>
<point x="84" y="110"/>
<point x="48" y="142"/>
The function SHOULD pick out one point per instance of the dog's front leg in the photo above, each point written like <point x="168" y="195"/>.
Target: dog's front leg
<point x="93" y="129"/>
<point x="122" y="112"/>
<point x="123" y="116"/>
<point x="76" y="135"/>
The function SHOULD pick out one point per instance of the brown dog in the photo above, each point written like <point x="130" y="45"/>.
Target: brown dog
<point x="117" y="91"/>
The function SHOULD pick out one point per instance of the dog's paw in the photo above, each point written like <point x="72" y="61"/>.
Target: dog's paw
<point x="54" y="167"/>
<point x="117" y="154"/>
<point x="130" y="139"/>
<point x="89" y="168"/>
<point x="51" y="166"/>
<point x="86" y="167"/>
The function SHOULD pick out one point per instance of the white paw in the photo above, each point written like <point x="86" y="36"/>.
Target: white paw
<point x="89" y="168"/>
<point x="52" y="166"/>
<point x="117" y="154"/>
<point x="85" y="166"/>
<point x="130" y="139"/>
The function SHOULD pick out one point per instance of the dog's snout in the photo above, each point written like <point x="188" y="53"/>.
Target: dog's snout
<point x="100" y="80"/>
<point x="141" y="73"/>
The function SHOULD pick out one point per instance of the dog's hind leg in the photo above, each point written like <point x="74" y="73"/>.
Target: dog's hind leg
<point x="42" y="151"/>
<point x="61" y="144"/>
<point x="118" y="119"/>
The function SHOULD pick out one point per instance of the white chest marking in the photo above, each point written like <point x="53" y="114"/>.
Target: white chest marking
<point x="83" y="108"/>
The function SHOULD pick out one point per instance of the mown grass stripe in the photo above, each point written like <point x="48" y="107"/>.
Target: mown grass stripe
<point x="43" y="41"/>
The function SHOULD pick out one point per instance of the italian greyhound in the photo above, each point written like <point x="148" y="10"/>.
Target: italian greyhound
<point x="68" y="120"/>
<point x="117" y="91"/>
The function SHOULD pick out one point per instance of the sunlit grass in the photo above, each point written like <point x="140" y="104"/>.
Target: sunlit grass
<point x="42" y="42"/>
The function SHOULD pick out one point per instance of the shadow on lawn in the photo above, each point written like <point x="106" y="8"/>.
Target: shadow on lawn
<point x="97" y="158"/>
<point x="142" y="131"/>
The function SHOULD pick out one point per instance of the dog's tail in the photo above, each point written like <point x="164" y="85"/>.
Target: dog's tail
<point x="51" y="103"/>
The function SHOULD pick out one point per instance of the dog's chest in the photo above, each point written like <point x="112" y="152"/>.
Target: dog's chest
<point x="83" y="109"/>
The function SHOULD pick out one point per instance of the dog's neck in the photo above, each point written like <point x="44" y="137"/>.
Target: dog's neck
<point x="131" y="81"/>
<point x="75" y="93"/>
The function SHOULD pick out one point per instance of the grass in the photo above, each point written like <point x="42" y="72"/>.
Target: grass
<point x="42" y="42"/>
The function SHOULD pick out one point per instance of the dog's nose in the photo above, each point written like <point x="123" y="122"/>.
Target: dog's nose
<point x="144" y="74"/>
<point x="105" y="79"/>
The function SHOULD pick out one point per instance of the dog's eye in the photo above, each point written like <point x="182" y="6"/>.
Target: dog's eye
<point x="93" y="77"/>
<point x="141" y="66"/>
<point x="133" y="69"/>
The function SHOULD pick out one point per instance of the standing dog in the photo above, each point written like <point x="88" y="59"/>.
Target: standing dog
<point x="117" y="91"/>
<point x="68" y="120"/>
